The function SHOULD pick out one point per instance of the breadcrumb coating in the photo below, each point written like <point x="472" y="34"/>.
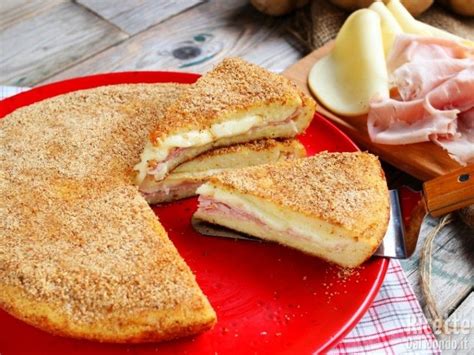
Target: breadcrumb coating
<point x="233" y="85"/>
<point x="344" y="189"/>
<point x="75" y="234"/>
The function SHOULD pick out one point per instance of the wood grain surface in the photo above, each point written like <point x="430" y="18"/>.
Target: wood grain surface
<point x="133" y="16"/>
<point x="14" y="10"/>
<point x="196" y="40"/>
<point x="460" y="341"/>
<point x="450" y="192"/>
<point x="452" y="265"/>
<point x="34" y="48"/>
<point x="423" y="160"/>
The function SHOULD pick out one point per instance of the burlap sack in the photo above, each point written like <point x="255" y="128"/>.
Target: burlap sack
<point x="319" y="22"/>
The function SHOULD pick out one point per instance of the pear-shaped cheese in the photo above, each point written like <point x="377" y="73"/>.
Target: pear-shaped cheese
<point x="410" y="25"/>
<point x="390" y="27"/>
<point x="355" y="71"/>
<point x="437" y="32"/>
<point x="405" y="19"/>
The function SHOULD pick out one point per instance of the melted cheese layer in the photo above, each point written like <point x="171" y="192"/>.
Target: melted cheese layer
<point x="239" y="124"/>
<point x="308" y="234"/>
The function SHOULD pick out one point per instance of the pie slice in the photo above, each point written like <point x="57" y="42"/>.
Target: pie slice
<point x="332" y="205"/>
<point x="236" y="102"/>
<point x="187" y="177"/>
<point x="102" y="269"/>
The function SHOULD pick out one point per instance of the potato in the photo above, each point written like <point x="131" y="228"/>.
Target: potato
<point x="278" y="7"/>
<point x="416" y="7"/>
<point x="461" y="7"/>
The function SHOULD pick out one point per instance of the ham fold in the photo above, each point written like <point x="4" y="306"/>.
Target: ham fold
<point x="411" y="48"/>
<point x="415" y="80"/>
<point x="434" y="79"/>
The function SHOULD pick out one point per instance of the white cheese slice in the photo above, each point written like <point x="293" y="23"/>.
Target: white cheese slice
<point x="390" y="26"/>
<point x="411" y="25"/>
<point x="188" y="139"/>
<point x="405" y="19"/>
<point x="355" y="70"/>
<point x="309" y="234"/>
<point x="234" y="127"/>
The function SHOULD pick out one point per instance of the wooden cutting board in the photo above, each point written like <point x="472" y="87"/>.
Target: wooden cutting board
<point x="424" y="161"/>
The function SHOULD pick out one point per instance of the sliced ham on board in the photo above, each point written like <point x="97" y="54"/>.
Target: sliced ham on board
<point x="462" y="148"/>
<point x="434" y="81"/>
<point x="411" y="48"/>
<point x="415" y="80"/>
<point x="397" y="122"/>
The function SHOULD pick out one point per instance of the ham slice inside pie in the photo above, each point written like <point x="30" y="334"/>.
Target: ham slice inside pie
<point x="333" y="205"/>
<point x="187" y="177"/>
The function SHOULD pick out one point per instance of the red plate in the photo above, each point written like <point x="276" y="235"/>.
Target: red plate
<point x="268" y="298"/>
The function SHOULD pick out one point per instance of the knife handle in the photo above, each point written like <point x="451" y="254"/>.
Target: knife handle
<point x="450" y="192"/>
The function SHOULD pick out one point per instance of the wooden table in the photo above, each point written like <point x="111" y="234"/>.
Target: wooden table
<point x="47" y="40"/>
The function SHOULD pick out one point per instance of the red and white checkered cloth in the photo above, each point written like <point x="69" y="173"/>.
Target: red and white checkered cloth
<point x="394" y="324"/>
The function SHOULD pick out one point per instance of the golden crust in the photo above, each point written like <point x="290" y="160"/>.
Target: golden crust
<point x="232" y="86"/>
<point x="345" y="189"/>
<point x="88" y="132"/>
<point x="116" y="328"/>
<point x="308" y="111"/>
<point x="81" y="253"/>
<point x="122" y="281"/>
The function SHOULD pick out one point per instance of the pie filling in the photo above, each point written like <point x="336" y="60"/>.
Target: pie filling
<point x="165" y="192"/>
<point x="157" y="161"/>
<point x="211" y="207"/>
<point x="310" y="235"/>
<point x="289" y="228"/>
